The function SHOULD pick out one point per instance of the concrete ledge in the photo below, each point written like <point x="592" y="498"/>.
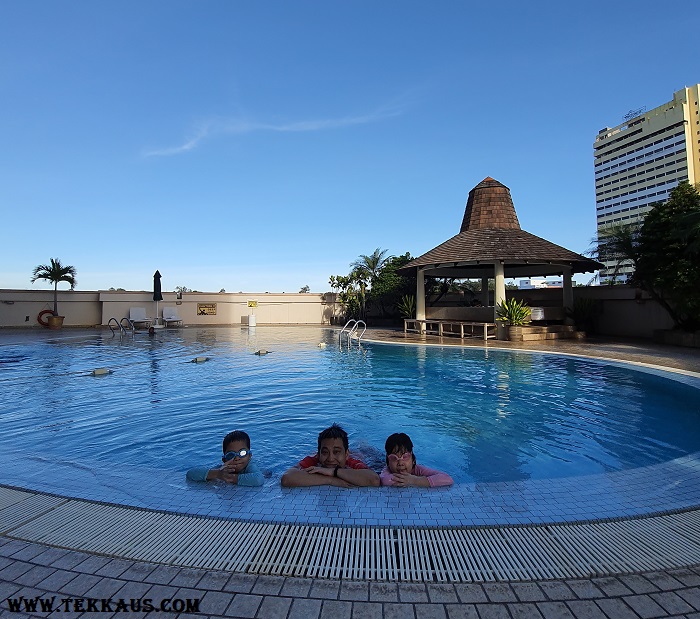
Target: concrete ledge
<point x="673" y="337"/>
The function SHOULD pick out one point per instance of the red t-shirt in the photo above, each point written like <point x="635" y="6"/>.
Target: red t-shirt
<point x="350" y="463"/>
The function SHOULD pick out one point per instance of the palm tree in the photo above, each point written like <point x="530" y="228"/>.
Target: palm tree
<point x="55" y="273"/>
<point x="370" y="265"/>
<point x="618" y="244"/>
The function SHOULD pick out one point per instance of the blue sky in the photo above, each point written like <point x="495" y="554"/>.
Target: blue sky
<point x="263" y="146"/>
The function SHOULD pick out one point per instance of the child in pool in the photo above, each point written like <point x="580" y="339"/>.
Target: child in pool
<point x="401" y="469"/>
<point x="237" y="467"/>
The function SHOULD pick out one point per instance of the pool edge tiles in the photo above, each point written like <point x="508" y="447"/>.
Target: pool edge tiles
<point x="453" y="554"/>
<point x="666" y="487"/>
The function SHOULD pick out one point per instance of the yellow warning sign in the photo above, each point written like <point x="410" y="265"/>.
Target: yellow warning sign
<point x="206" y="309"/>
<point x="252" y="303"/>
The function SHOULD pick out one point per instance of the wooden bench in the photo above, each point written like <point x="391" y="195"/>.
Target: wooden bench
<point x="463" y="328"/>
<point x="421" y="326"/>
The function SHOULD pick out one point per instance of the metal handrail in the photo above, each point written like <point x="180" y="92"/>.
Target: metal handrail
<point x="352" y="330"/>
<point x="117" y="324"/>
<point x="360" y="322"/>
<point x="347" y="324"/>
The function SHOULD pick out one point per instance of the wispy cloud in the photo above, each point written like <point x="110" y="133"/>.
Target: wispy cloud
<point x="229" y="126"/>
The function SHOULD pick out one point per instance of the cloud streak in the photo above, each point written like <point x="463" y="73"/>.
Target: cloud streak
<point x="222" y="126"/>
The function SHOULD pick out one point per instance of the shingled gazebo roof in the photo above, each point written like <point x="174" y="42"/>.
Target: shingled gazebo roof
<point x="491" y="232"/>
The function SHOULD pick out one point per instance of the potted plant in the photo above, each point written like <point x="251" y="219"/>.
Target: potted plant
<point x="55" y="272"/>
<point x="407" y="306"/>
<point x="514" y="313"/>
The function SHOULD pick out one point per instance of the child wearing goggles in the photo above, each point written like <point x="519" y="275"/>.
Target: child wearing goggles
<point x="237" y="466"/>
<point x="401" y="469"/>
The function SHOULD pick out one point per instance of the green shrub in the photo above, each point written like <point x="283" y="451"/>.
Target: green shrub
<point x="515" y="313"/>
<point x="407" y="306"/>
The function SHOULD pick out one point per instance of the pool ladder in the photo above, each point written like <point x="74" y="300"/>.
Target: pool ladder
<point x="119" y="326"/>
<point x="351" y="328"/>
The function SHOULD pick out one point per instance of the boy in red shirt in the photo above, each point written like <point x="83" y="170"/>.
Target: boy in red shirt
<point x="331" y="466"/>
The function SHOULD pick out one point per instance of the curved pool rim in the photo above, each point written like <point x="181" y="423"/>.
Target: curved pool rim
<point x="671" y="486"/>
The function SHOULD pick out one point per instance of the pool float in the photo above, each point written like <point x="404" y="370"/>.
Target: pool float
<point x="40" y="317"/>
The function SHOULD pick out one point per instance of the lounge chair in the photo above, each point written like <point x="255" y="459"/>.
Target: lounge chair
<point x="137" y="315"/>
<point x="170" y="315"/>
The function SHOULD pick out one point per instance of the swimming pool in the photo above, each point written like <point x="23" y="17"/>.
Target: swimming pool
<point x="488" y="417"/>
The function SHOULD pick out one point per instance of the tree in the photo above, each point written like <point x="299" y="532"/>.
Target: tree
<point x="618" y="244"/>
<point x="305" y="290"/>
<point x="55" y="273"/>
<point x="389" y="287"/>
<point x="368" y="267"/>
<point x="348" y="293"/>
<point x="664" y="253"/>
<point x="667" y="263"/>
<point x="373" y="281"/>
<point x="690" y="231"/>
<point x="182" y="289"/>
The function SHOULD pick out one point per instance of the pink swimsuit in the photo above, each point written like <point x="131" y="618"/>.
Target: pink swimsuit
<point x="435" y="478"/>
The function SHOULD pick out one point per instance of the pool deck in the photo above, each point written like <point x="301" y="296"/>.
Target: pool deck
<point x="29" y="568"/>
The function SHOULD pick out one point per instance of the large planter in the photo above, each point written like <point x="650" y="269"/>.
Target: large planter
<point x="55" y="322"/>
<point x="514" y="334"/>
<point x="534" y="333"/>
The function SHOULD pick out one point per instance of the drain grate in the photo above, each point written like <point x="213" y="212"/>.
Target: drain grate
<point x="18" y="507"/>
<point x="478" y="554"/>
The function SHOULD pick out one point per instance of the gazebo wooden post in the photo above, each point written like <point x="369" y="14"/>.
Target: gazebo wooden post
<point x="499" y="295"/>
<point x="568" y="294"/>
<point x="420" y="297"/>
<point x="485" y="291"/>
<point x="500" y="287"/>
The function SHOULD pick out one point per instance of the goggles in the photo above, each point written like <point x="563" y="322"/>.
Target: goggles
<point x="406" y="457"/>
<point x="230" y="455"/>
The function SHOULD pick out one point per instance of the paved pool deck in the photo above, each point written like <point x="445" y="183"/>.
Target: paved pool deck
<point x="31" y="569"/>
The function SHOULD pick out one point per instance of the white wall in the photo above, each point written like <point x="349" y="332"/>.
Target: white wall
<point x="19" y="308"/>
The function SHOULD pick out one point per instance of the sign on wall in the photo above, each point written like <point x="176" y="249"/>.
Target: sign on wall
<point x="252" y="303"/>
<point x="206" y="309"/>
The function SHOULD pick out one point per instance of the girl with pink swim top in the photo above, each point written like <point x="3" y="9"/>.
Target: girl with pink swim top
<point x="401" y="469"/>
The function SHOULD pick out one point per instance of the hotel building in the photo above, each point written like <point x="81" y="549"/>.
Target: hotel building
<point x="638" y="162"/>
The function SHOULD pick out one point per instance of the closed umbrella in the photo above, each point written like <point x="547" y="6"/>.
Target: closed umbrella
<point x="157" y="294"/>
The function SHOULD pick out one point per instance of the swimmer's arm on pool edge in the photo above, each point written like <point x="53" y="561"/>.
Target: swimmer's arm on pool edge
<point x="250" y="476"/>
<point x="318" y="476"/>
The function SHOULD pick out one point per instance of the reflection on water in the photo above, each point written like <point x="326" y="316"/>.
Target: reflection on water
<point x="482" y="415"/>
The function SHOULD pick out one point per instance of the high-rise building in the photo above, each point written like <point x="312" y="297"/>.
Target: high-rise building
<point x="638" y="162"/>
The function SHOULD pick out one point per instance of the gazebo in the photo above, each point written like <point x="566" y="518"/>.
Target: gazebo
<point x="491" y="244"/>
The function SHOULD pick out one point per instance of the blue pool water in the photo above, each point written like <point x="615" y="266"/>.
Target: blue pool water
<point x="482" y="415"/>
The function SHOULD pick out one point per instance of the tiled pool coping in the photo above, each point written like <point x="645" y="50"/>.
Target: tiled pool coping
<point x="669" y="486"/>
<point x="377" y="553"/>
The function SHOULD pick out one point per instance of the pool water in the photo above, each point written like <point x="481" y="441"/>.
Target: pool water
<point x="481" y="415"/>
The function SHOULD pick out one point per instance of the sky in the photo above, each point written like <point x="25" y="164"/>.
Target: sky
<point x="264" y="145"/>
